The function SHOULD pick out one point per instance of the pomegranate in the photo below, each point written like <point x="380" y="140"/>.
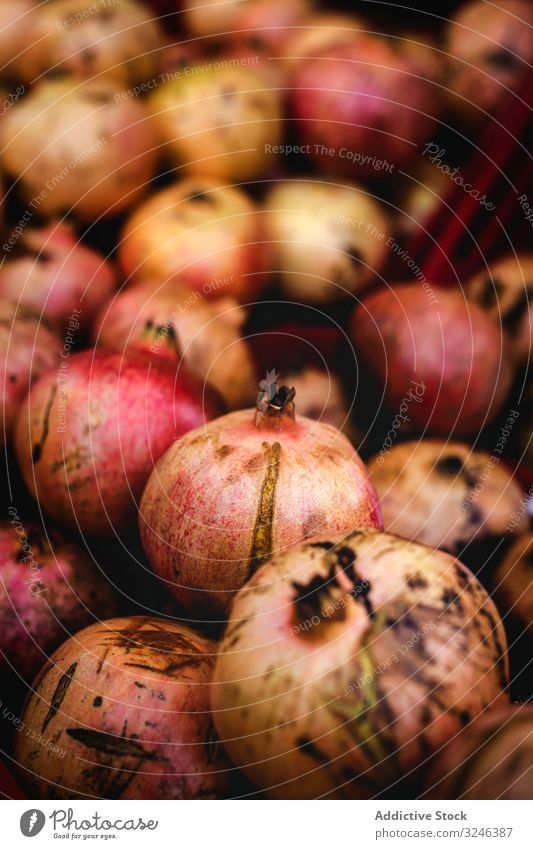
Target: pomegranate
<point x="322" y="396"/>
<point x="490" y="50"/>
<point x="88" y="436"/>
<point x="227" y="496"/>
<point x="265" y="25"/>
<point x="348" y="659"/>
<point x="49" y="589"/>
<point x="445" y="494"/>
<point x="513" y="587"/>
<point x="317" y="33"/>
<point x="220" y="118"/>
<point x="27" y="348"/>
<point x="447" y="345"/>
<point x="219" y="17"/>
<point x="505" y="290"/>
<point x="418" y="198"/>
<point x="327" y="239"/>
<point x="168" y="322"/>
<point x="54" y="273"/>
<point x="100" y="148"/>
<point x="362" y="108"/>
<point x="16" y="17"/>
<point x="125" y="707"/>
<point x="491" y="759"/>
<point x="87" y="39"/>
<point x="423" y="52"/>
<point x="207" y="236"/>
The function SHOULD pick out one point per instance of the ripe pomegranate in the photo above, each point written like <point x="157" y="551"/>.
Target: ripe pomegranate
<point x="317" y="33"/>
<point x="513" y="587"/>
<point x="227" y="496"/>
<point x="125" y="707"/>
<point x="220" y="17"/>
<point x="100" y="149"/>
<point x="89" y="435"/>
<point x="491" y="759"/>
<point x="489" y="52"/>
<point x="445" y="494"/>
<point x="54" y="273"/>
<point x="348" y="659"/>
<point x="169" y="322"/>
<point x="363" y="108"/>
<point x="204" y="235"/>
<point x="328" y="240"/>
<point x="447" y="344"/>
<point x="219" y="119"/>
<point x="27" y="348"/>
<point x="322" y="396"/>
<point x="505" y="290"/>
<point x="49" y="589"/>
<point x="265" y="25"/>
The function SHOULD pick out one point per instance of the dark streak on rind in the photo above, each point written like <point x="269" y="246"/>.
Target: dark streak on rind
<point x="262" y="535"/>
<point x="37" y="449"/>
<point x="59" y="694"/>
<point x="108" y="744"/>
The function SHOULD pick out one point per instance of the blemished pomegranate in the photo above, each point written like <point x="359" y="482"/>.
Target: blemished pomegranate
<point x="489" y="50"/>
<point x="54" y="273"/>
<point x="90" y="432"/>
<point x="348" y="659"/>
<point x="327" y="240"/>
<point x="229" y="495"/>
<point x="505" y="290"/>
<point x="362" y="109"/>
<point x="121" y="40"/>
<point x="448" y="345"/>
<point x="49" y="589"/>
<point x="166" y="321"/>
<point x="446" y="494"/>
<point x="124" y="705"/>
<point x="491" y="759"/>
<point x="513" y="579"/>
<point x="27" y="349"/>
<point x="201" y="234"/>
<point x="219" y="118"/>
<point x="100" y="150"/>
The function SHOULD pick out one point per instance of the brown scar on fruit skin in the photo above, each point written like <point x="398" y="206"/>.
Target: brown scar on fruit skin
<point x="262" y="534"/>
<point x="59" y="694"/>
<point x="37" y="448"/>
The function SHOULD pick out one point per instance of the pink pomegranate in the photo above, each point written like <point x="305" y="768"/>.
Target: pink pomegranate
<point x="124" y="705"/>
<point x="90" y="432"/>
<point x="168" y="322"/>
<point x="54" y="273"/>
<point x="100" y="150"/>
<point x="449" y="347"/>
<point x="348" y="659"/>
<point x="27" y="348"/>
<point x="202" y="234"/>
<point x="229" y="495"/>
<point x="49" y="589"/>
<point x="265" y="25"/>
<point x="317" y="33"/>
<point x="362" y="108"/>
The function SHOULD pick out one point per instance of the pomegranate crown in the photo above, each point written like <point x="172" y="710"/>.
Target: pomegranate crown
<point x="274" y="400"/>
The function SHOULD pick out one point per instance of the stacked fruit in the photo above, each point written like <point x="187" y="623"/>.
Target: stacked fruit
<point x="209" y="323"/>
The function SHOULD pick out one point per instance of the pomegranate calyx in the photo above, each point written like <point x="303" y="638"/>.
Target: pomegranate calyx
<point x="275" y="406"/>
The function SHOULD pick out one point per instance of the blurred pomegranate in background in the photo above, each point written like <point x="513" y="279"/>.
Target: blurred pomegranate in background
<point x="84" y="38"/>
<point x="219" y="118"/>
<point x="87" y="439"/>
<point x="52" y="272"/>
<point x="414" y="335"/>
<point x="100" y="149"/>
<point x="418" y="196"/>
<point x="219" y="17"/>
<point x="362" y="109"/>
<point x="27" y="348"/>
<point x="321" y="396"/>
<point x="328" y="240"/>
<point x="167" y="321"/>
<point x="228" y="496"/>
<point x="16" y="17"/>
<point x="49" y="589"/>
<point x="317" y="33"/>
<point x="204" y="235"/>
<point x="131" y="697"/>
<point x="505" y="290"/>
<point x="512" y="581"/>
<point x="490" y="51"/>
<point x="265" y="25"/>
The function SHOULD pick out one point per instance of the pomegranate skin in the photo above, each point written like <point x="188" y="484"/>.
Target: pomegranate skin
<point x="54" y="273"/>
<point x="362" y="98"/>
<point x="227" y="496"/>
<point x="126" y="704"/>
<point x="449" y="346"/>
<point x="348" y="659"/>
<point x="87" y="441"/>
<point x="27" y="349"/>
<point x="49" y="589"/>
